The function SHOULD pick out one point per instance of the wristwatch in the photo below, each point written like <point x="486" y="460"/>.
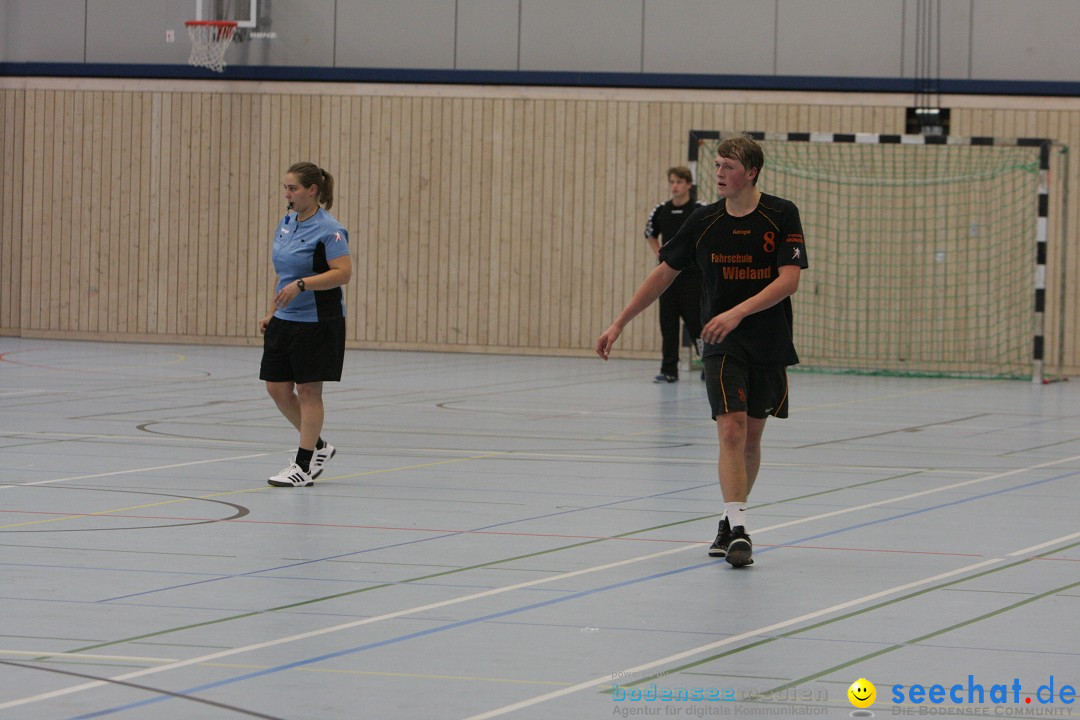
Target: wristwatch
<point x="300" y="284"/>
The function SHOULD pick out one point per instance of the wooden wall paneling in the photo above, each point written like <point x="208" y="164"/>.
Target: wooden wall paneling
<point x="387" y="217"/>
<point x="210" y="210"/>
<point x="175" y="277"/>
<point x="423" y="190"/>
<point x="244" y="236"/>
<point x="153" y="262"/>
<point x="532" y="239"/>
<point x="50" y="214"/>
<point x="347" y="186"/>
<point x="120" y="201"/>
<point x="46" y="295"/>
<point x="481" y="221"/>
<point x="354" y="177"/>
<point x="409" y="246"/>
<point x="472" y="166"/>
<point x="95" y="228"/>
<point x="548" y="295"/>
<point x="11" y="105"/>
<point x="403" y="262"/>
<point x="112" y="139"/>
<point x="63" y="134"/>
<point x="482" y="211"/>
<point x="503" y="133"/>
<point x="62" y="207"/>
<point x="373" y="232"/>
<point x="403" y="268"/>
<point x="33" y="260"/>
<point x="100" y="227"/>
<point x="124" y="199"/>
<point x="524" y="290"/>
<point x="644" y="187"/>
<point x="610" y="246"/>
<point x="578" y="210"/>
<point x="140" y="266"/>
<point x="596" y="189"/>
<point x="208" y="305"/>
<point x="141" y="213"/>
<point x="575" y="238"/>
<point x="43" y="224"/>
<point x="451" y="301"/>
<point x="164" y="191"/>
<point x="511" y="241"/>
<point x="232" y="282"/>
<point x="380" y="223"/>
<point x="396" y="299"/>
<point x="178" y="276"/>
<point x="445" y="249"/>
<point x="567" y="235"/>
<point x="556" y="247"/>
<point x="473" y="210"/>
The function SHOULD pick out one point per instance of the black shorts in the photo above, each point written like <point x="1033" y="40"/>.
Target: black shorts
<point x="736" y="386"/>
<point x="303" y="352"/>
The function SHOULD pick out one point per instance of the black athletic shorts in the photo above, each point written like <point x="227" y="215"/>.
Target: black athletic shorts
<point x="735" y="386"/>
<point x="303" y="352"/>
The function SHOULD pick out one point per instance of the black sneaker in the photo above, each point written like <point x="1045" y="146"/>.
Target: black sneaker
<point x="723" y="537"/>
<point x="739" y="548"/>
<point x="665" y="378"/>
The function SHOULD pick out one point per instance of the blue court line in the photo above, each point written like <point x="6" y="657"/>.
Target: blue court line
<point x="553" y="601"/>
<point x="405" y="543"/>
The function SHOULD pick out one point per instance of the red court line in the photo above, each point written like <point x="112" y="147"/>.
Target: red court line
<point x="498" y="532"/>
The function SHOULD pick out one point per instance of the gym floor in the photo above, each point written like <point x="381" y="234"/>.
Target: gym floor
<point x="524" y="537"/>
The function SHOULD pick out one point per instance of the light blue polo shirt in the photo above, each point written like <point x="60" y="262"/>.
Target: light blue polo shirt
<point x="303" y="249"/>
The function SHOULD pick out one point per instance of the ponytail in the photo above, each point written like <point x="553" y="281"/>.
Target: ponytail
<point x="308" y="174"/>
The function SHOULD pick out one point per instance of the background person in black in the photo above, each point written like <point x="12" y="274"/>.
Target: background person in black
<point x="682" y="300"/>
<point x="750" y="248"/>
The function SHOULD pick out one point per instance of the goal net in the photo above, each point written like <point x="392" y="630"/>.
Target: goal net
<point x="927" y="255"/>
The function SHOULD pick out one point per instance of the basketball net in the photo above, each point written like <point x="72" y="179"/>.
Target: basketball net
<point x="209" y="39"/>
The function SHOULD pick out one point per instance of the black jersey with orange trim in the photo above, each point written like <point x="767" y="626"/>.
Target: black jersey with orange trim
<point x="739" y="257"/>
<point x="666" y="219"/>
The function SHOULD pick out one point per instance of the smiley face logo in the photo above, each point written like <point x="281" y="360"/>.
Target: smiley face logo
<point x="862" y="693"/>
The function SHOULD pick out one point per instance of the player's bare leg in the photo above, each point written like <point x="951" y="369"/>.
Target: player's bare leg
<point x="738" y="458"/>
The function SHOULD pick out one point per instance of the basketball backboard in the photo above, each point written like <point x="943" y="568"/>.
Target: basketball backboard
<point x="245" y="13"/>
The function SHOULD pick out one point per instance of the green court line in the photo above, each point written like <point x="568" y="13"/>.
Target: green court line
<point x="942" y="631"/>
<point x="455" y="571"/>
<point x="847" y="616"/>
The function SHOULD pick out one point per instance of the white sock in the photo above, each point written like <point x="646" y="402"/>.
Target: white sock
<point x="735" y="513"/>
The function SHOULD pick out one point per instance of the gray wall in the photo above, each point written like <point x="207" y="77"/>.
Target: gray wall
<point x="1031" y="40"/>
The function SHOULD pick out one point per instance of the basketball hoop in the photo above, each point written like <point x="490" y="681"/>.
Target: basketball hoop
<point x="209" y="39"/>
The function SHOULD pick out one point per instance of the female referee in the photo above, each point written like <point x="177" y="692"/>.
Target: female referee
<point x="304" y="330"/>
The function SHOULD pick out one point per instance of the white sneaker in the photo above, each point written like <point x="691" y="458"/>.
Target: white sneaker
<point x="318" y="460"/>
<point x="292" y="476"/>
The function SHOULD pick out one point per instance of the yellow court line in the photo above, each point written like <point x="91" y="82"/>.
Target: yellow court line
<point x="807" y="408"/>
<point x="76" y="516"/>
<point x="76" y="656"/>
<point x="483" y="456"/>
<point x="377" y="673"/>
<point x="67" y="656"/>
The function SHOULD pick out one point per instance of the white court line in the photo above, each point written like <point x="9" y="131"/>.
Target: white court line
<point x="921" y="493"/>
<point x="1041" y="546"/>
<point x="726" y="641"/>
<point x="518" y="586"/>
<point x="336" y="628"/>
<point x="136" y="470"/>
<point x="753" y="633"/>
